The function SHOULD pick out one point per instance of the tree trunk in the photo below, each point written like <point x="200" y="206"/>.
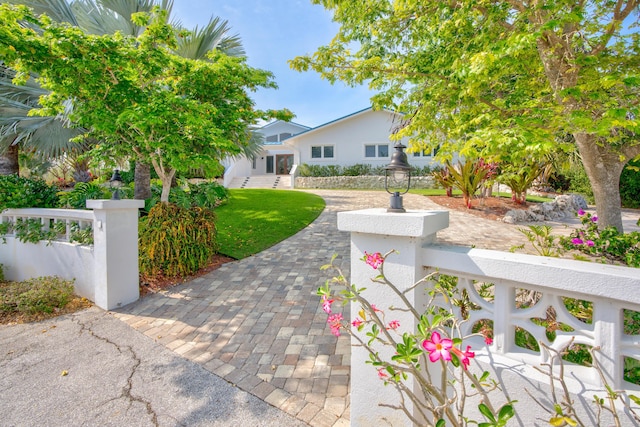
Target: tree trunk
<point x="9" y="161"/>
<point x="142" y="181"/>
<point x="603" y="167"/>
<point x="167" y="180"/>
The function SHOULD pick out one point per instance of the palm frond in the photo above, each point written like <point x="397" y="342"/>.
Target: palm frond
<point x="214" y="35"/>
<point x="58" y="10"/>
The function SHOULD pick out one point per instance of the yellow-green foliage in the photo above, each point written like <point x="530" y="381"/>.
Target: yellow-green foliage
<point x="175" y="241"/>
<point x="40" y="295"/>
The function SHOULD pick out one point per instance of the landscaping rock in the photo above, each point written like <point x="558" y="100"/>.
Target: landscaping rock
<point x="561" y="207"/>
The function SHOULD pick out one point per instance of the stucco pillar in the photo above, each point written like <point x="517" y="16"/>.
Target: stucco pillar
<point x="376" y="230"/>
<point x="115" y="245"/>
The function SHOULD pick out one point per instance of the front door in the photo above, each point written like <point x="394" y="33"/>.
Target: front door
<point x="284" y="162"/>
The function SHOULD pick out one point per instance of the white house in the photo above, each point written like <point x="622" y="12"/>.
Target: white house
<point x="362" y="137"/>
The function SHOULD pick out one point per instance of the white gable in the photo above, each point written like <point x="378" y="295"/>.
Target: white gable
<point x="360" y="138"/>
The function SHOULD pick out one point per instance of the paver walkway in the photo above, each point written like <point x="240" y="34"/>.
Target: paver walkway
<point x="258" y="323"/>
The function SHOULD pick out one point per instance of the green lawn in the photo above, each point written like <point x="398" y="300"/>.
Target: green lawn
<point x="255" y="219"/>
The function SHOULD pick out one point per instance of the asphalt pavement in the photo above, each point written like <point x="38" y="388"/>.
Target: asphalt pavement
<point x="91" y="369"/>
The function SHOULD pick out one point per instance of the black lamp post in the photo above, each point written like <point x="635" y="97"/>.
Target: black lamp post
<point x="116" y="182"/>
<point x="397" y="176"/>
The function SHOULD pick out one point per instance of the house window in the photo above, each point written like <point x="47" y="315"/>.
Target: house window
<point x="272" y="138"/>
<point x="284" y="136"/>
<point x="270" y="168"/>
<point x="426" y="153"/>
<point x="376" y="150"/>
<point x="322" y="152"/>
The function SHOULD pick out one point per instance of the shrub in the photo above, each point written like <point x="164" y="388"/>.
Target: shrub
<point x="205" y="195"/>
<point x="19" y="192"/>
<point x="357" y="170"/>
<point x="630" y="185"/>
<point x="83" y="191"/>
<point x="579" y="182"/>
<point x="175" y="241"/>
<point x="39" y="295"/>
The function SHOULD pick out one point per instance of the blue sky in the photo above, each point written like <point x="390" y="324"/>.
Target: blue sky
<point x="272" y="32"/>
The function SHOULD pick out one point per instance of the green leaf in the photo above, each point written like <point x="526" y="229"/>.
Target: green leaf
<point x="484" y="410"/>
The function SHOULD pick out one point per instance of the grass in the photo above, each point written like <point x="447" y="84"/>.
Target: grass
<point x="442" y="192"/>
<point x="255" y="219"/>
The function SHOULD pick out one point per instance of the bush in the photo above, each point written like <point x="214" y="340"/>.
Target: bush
<point x="83" y="191"/>
<point x="40" y="295"/>
<point x="204" y="195"/>
<point x="17" y="192"/>
<point x="579" y="183"/>
<point x="630" y="185"/>
<point x="175" y="241"/>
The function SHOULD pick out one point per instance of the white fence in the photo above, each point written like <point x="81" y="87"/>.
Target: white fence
<point x="105" y="272"/>
<point x="611" y="290"/>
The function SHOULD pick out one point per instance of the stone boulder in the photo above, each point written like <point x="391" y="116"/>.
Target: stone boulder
<point x="561" y="207"/>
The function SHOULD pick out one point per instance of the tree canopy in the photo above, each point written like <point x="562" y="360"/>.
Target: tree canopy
<point x="500" y="79"/>
<point x="133" y="93"/>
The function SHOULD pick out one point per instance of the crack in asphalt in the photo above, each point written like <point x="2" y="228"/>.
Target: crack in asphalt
<point x="126" y="390"/>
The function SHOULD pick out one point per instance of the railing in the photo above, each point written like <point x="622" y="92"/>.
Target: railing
<point x="526" y="293"/>
<point x="55" y="224"/>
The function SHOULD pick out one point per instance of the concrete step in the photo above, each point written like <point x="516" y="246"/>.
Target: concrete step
<point x="282" y="182"/>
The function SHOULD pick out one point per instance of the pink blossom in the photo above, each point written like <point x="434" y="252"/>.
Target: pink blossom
<point x="335" y="323"/>
<point x="438" y="347"/>
<point x="375" y="309"/>
<point x="394" y="324"/>
<point x="594" y="218"/>
<point x="326" y="304"/>
<point x="488" y="340"/>
<point x="577" y="241"/>
<point x="382" y="374"/>
<point x="580" y="212"/>
<point x="590" y="243"/>
<point x="374" y="260"/>
<point x="464" y="356"/>
<point x="357" y="323"/>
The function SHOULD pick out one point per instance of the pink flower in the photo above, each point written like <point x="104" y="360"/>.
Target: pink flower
<point x="594" y="218"/>
<point x="590" y="243"/>
<point x="438" y="347"/>
<point x="577" y="241"/>
<point x="488" y="340"/>
<point x="394" y="324"/>
<point x="382" y="374"/>
<point x="374" y="260"/>
<point x="375" y="309"/>
<point x="580" y="212"/>
<point x="326" y="304"/>
<point x="335" y="323"/>
<point x="357" y="323"/>
<point x="464" y="356"/>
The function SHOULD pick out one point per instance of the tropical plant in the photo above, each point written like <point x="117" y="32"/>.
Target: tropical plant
<point x="175" y="241"/>
<point x="18" y="192"/>
<point x="519" y="178"/>
<point x="83" y="191"/>
<point x="468" y="177"/>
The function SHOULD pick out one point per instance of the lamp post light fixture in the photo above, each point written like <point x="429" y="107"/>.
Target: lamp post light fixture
<point x="397" y="176"/>
<point x="116" y="182"/>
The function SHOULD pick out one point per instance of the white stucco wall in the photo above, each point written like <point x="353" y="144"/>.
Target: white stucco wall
<point x="68" y="261"/>
<point x="349" y="136"/>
